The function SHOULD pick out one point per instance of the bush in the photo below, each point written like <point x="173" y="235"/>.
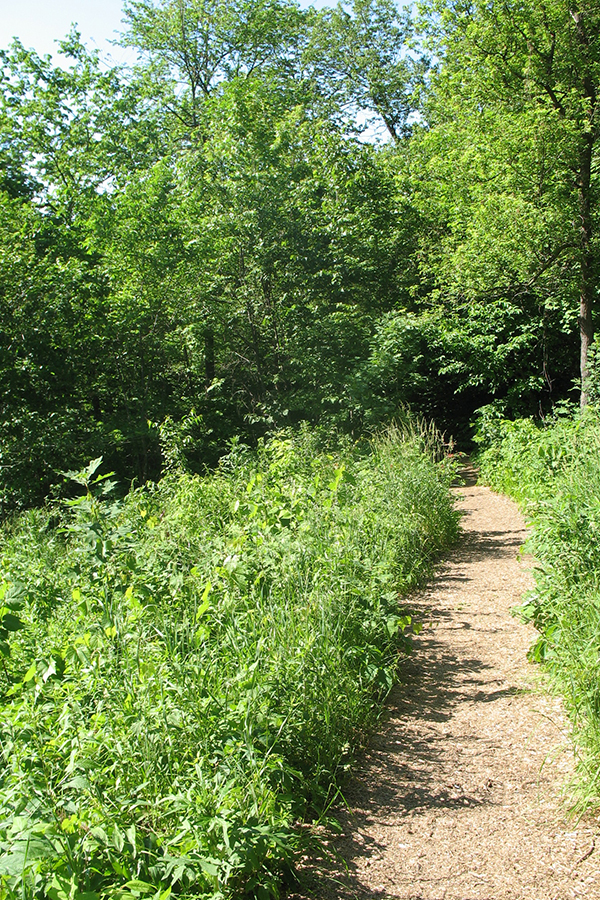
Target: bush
<point x="197" y="662"/>
<point x="554" y="471"/>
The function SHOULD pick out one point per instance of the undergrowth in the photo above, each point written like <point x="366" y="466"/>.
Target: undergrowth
<point x="553" y="470"/>
<point x="185" y="673"/>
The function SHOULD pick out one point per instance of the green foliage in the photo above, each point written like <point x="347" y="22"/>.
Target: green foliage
<point x="446" y="362"/>
<point x="509" y="160"/>
<point x="209" y="246"/>
<point x="197" y="240"/>
<point x="555" y="472"/>
<point x="187" y="671"/>
<point x="359" y="59"/>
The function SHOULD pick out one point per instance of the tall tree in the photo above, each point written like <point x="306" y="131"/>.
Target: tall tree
<point x="205" y="44"/>
<point x="360" y="56"/>
<point x="290" y="222"/>
<point x="538" y="62"/>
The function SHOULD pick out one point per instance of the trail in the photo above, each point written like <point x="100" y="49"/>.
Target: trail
<point x="458" y="795"/>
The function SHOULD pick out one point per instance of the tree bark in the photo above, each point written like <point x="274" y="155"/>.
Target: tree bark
<point x="586" y="287"/>
<point x="586" y="322"/>
<point x="209" y="357"/>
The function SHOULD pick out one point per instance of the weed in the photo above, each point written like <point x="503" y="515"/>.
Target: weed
<point x="554" y="471"/>
<point x="197" y="662"/>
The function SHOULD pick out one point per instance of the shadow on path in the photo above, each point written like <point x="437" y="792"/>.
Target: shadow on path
<point x="408" y="766"/>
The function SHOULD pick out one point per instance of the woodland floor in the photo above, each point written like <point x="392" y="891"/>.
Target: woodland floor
<point x="458" y="796"/>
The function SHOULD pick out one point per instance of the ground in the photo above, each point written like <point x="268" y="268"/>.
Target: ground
<point x="460" y="794"/>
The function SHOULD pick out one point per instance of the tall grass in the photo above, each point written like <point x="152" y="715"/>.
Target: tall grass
<point x="554" y="471"/>
<point x="197" y="663"/>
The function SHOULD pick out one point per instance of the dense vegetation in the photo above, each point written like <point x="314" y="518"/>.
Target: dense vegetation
<point x="280" y="223"/>
<point x="283" y="215"/>
<point x="554" y="471"/>
<point x="196" y="663"/>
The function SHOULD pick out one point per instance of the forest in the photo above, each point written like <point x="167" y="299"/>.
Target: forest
<point x="271" y="277"/>
<point x="283" y="215"/>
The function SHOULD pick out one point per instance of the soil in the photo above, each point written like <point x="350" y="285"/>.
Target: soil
<point x="459" y="795"/>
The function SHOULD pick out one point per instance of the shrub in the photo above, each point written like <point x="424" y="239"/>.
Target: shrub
<point x="199" y="660"/>
<point x="554" y="471"/>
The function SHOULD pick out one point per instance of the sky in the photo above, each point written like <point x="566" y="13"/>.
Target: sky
<point x="40" y="23"/>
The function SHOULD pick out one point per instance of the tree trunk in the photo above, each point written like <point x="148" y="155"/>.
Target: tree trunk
<point x="586" y="330"/>
<point x="209" y="357"/>
<point x="586" y="288"/>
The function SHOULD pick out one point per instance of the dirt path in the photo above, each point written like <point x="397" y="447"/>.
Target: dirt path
<point x="458" y="794"/>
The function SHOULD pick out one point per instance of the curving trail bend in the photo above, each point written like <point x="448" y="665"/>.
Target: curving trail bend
<point x="458" y="795"/>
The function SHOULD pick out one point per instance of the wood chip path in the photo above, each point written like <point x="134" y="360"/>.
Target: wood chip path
<point x="458" y="795"/>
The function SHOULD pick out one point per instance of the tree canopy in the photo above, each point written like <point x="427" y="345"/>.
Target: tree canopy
<point x="282" y="215"/>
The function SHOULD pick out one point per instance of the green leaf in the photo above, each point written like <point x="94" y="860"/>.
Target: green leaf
<point x="211" y="866"/>
<point x="100" y="835"/>
<point x="31" y="671"/>
<point x="91" y="468"/>
<point x="140" y="887"/>
<point x="25" y="853"/>
<point x="11" y="622"/>
<point x="118" y="839"/>
<point x="204" y="601"/>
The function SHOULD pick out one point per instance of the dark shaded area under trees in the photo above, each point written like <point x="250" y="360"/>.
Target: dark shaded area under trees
<point x="214" y="245"/>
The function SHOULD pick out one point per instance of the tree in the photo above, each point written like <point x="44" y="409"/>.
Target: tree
<point x="195" y="250"/>
<point x="537" y="63"/>
<point x="362" y="63"/>
<point x="204" y="45"/>
<point x="292" y="226"/>
<point x="73" y="137"/>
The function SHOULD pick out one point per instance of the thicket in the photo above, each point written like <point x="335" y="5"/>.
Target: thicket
<point x="186" y="672"/>
<point x="554" y="471"/>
